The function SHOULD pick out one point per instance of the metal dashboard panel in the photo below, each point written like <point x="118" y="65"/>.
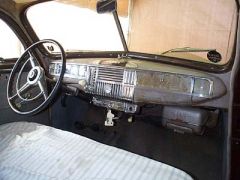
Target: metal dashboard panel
<point x="162" y="87"/>
<point x="181" y="84"/>
<point x="141" y="81"/>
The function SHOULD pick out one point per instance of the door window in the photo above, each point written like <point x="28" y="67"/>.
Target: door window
<point x="10" y="45"/>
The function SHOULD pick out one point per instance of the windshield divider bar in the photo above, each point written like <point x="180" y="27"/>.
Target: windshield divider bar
<point x="120" y="31"/>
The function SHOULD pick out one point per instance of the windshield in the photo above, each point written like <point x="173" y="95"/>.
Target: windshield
<point x="195" y="30"/>
<point x="77" y="27"/>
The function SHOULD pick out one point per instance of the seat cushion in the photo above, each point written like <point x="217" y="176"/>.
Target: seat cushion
<point x="34" y="151"/>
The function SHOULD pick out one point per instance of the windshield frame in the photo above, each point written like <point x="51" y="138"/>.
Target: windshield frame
<point x="207" y="67"/>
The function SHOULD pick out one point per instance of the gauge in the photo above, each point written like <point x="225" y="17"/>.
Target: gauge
<point x="74" y="70"/>
<point x="68" y="69"/>
<point x="202" y="87"/>
<point x="51" y="68"/>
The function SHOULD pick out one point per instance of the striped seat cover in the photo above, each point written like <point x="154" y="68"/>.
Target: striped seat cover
<point x="33" y="151"/>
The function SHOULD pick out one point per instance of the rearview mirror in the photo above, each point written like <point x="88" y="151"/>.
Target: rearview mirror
<point x="106" y="6"/>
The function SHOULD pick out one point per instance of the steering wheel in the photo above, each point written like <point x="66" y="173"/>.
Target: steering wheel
<point x="34" y="91"/>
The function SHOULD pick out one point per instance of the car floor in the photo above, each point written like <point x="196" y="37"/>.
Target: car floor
<point x="200" y="156"/>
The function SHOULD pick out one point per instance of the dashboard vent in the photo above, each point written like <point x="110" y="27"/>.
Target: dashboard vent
<point x="112" y="82"/>
<point x="107" y="74"/>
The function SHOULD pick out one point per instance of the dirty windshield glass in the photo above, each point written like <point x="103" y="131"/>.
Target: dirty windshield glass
<point x="194" y="30"/>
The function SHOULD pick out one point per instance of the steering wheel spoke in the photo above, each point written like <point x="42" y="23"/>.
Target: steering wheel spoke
<point x="42" y="86"/>
<point x="24" y="88"/>
<point x="32" y="60"/>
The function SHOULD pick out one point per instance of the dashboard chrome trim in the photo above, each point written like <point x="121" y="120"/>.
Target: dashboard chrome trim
<point x="116" y="105"/>
<point x="117" y="83"/>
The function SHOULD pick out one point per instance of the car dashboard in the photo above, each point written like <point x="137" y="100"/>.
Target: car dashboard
<point x="125" y="84"/>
